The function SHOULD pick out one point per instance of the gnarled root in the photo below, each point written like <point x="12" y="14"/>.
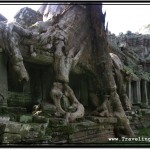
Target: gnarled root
<point x="59" y="91"/>
<point x="123" y="128"/>
<point x="18" y="66"/>
<point x="21" y="71"/>
<point x="56" y="95"/>
<point x="12" y="38"/>
<point x="123" y="125"/>
<point x="104" y="109"/>
<point x="70" y="117"/>
<point x="125" y="102"/>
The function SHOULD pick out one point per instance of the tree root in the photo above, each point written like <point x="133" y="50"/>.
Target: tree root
<point x="57" y="93"/>
<point x="21" y="71"/>
<point x="104" y="109"/>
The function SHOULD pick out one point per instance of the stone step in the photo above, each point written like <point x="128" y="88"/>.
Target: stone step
<point x="112" y="120"/>
<point x="16" y="132"/>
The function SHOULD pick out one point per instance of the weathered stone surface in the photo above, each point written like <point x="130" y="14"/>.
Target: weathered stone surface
<point x="18" y="99"/>
<point x="32" y="131"/>
<point x="91" y="130"/>
<point x="26" y="119"/>
<point x="84" y="125"/>
<point x="145" y="111"/>
<point x="3" y="81"/>
<point x="95" y="137"/>
<point x="102" y="119"/>
<point x="4" y="118"/>
<point x="40" y="119"/>
<point x="57" y="121"/>
<point x="13" y="127"/>
<point x="9" y="138"/>
<point x="2" y="127"/>
<point x="12" y="110"/>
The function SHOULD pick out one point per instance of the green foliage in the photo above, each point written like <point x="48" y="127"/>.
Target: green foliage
<point x="141" y="73"/>
<point x="144" y="132"/>
<point x="134" y="70"/>
<point x="128" y="69"/>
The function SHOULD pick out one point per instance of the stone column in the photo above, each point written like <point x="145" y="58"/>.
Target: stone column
<point x="138" y="92"/>
<point x="3" y="80"/>
<point x="148" y="93"/>
<point x="129" y="91"/>
<point x="133" y="92"/>
<point x="144" y="96"/>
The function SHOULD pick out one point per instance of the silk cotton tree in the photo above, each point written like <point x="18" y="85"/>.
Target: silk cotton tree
<point x="78" y="39"/>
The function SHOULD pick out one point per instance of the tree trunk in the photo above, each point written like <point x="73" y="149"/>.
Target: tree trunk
<point x="104" y="66"/>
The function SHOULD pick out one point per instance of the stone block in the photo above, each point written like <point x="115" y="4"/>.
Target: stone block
<point x="40" y="119"/>
<point x="18" y="99"/>
<point x="2" y="127"/>
<point x="145" y="111"/>
<point x="3" y="80"/>
<point x="96" y="137"/>
<point x="54" y="122"/>
<point x="26" y="119"/>
<point x="32" y="131"/>
<point x="102" y="119"/>
<point x="13" y="127"/>
<point x="15" y="110"/>
<point x="85" y="125"/>
<point x="4" y="118"/>
<point x="84" y="133"/>
<point x="9" y="138"/>
<point x="18" y="110"/>
<point x="58" y="137"/>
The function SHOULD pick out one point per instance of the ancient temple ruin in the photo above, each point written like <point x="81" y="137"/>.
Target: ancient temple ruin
<point x="134" y="52"/>
<point x="68" y="80"/>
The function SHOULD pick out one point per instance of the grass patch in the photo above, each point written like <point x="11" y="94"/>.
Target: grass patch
<point x="144" y="132"/>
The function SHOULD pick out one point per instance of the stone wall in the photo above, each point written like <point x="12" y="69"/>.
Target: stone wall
<point x="133" y="50"/>
<point x="46" y="131"/>
<point x="3" y="79"/>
